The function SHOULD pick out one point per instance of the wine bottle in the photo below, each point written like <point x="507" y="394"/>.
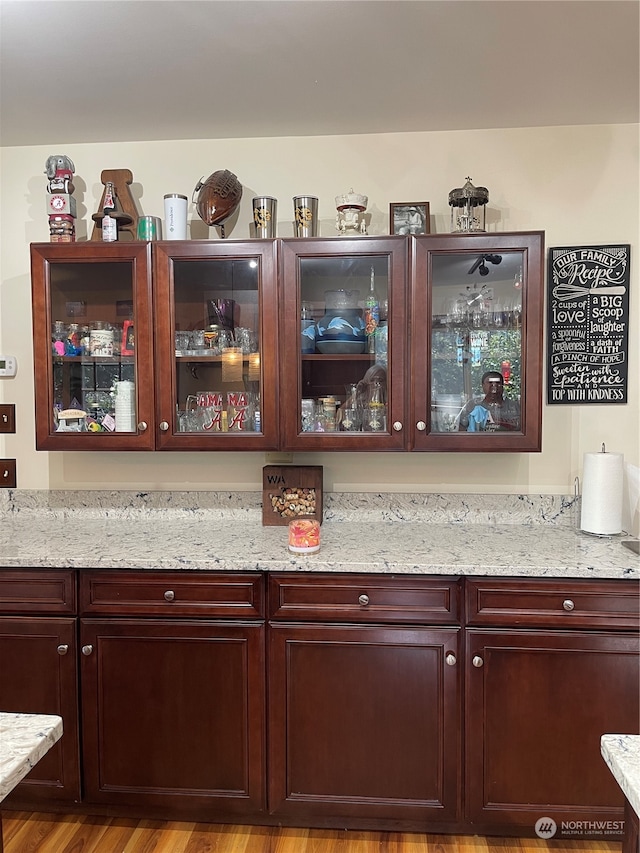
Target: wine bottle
<point x="371" y="314"/>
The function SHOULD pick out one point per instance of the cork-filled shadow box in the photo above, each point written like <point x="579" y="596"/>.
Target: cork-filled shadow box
<point x="290" y="492"/>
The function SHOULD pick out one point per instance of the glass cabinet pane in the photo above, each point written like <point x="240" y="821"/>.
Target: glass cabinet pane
<point x="343" y="344"/>
<point x="476" y="342"/>
<point x="93" y="321"/>
<point x="477" y="303"/>
<point x="216" y="334"/>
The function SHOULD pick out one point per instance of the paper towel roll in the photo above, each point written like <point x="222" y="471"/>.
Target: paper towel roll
<point x="602" y="493"/>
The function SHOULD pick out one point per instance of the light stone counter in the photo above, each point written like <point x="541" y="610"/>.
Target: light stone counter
<point x="24" y="740"/>
<point x="622" y="756"/>
<point x="506" y="535"/>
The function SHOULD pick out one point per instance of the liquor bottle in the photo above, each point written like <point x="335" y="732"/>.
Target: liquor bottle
<point x="109" y="223"/>
<point x="371" y="314"/>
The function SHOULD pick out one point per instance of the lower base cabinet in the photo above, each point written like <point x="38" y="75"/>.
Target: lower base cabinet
<point x="537" y="705"/>
<point x="173" y="715"/>
<point x="364" y="723"/>
<point x="437" y="704"/>
<point x="39" y="675"/>
<point x="173" y="693"/>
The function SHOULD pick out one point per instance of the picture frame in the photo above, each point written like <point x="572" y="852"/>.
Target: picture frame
<point x="128" y="344"/>
<point x="409" y="217"/>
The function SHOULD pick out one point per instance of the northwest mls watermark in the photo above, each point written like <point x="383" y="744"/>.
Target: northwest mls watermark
<point x="546" y="827"/>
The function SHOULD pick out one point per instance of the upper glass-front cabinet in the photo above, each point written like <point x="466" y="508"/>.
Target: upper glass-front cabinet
<point x="344" y="321"/>
<point x="92" y="346"/>
<point x="216" y="341"/>
<point x="477" y="363"/>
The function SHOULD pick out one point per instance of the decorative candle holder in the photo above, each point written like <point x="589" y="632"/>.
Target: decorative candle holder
<point x="304" y="536"/>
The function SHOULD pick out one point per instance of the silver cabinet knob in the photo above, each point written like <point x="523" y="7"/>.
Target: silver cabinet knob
<point x="397" y="425"/>
<point x="451" y="659"/>
<point x="363" y="599"/>
<point x="63" y="648"/>
<point x="477" y="661"/>
<point x="567" y="604"/>
<point x="142" y="426"/>
<point x="87" y="650"/>
<point x="169" y="595"/>
<point x="164" y="426"/>
<point x="421" y="426"/>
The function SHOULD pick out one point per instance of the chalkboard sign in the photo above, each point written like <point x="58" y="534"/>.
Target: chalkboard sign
<point x="588" y="324"/>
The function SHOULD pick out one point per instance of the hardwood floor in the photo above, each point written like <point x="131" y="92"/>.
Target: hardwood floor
<point x="27" y="832"/>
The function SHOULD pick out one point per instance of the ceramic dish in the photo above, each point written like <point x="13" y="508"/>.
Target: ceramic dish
<point x="340" y="347"/>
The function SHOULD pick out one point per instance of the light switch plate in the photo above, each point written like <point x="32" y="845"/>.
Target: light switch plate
<point x="7" y="417"/>
<point x="7" y="473"/>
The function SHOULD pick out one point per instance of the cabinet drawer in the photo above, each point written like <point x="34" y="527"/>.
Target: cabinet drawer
<point x="230" y="596"/>
<point x="37" y="591"/>
<point x="363" y="598"/>
<point x="564" y="604"/>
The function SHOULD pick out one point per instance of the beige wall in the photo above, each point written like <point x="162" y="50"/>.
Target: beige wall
<point x="578" y="184"/>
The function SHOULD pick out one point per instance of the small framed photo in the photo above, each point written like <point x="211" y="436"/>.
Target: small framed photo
<point x="128" y="344"/>
<point x="409" y="217"/>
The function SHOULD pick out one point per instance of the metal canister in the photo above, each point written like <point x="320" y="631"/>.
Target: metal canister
<point x="148" y="228"/>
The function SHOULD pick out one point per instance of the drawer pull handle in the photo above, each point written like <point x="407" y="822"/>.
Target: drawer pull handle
<point x="477" y="661"/>
<point x="567" y="604"/>
<point x="63" y="648"/>
<point x="451" y="659"/>
<point x="169" y="595"/>
<point x="363" y="599"/>
<point x="87" y="650"/>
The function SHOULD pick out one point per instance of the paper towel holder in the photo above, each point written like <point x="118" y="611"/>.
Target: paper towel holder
<point x="607" y="525"/>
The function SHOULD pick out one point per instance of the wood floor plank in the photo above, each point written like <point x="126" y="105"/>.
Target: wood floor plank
<point x="26" y="832"/>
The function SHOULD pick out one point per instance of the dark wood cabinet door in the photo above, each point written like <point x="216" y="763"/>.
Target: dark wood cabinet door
<point x="173" y="715"/>
<point x="537" y="703"/>
<point x="38" y="675"/>
<point x="211" y="397"/>
<point x="477" y="303"/>
<point x="364" y="724"/>
<point x="320" y="274"/>
<point x="102" y="289"/>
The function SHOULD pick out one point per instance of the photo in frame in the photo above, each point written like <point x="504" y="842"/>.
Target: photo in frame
<point x="128" y="344"/>
<point x="409" y="217"/>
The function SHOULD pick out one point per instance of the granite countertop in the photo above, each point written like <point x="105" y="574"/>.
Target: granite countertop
<point x="421" y="534"/>
<point x="24" y="740"/>
<point x="622" y="756"/>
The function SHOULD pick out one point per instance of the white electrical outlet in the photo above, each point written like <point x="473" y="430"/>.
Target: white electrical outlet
<point x="8" y="366"/>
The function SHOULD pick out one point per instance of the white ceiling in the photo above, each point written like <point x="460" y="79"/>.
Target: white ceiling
<point x="125" y="70"/>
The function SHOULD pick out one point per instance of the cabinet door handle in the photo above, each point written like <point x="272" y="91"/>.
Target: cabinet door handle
<point x="477" y="661"/>
<point x="87" y="650"/>
<point x="63" y="648"/>
<point x="169" y="595"/>
<point x="421" y="426"/>
<point x="567" y="604"/>
<point x="397" y="425"/>
<point x="142" y="426"/>
<point x="363" y="599"/>
<point x="451" y="659"/>
<point x="164" y="426"/>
